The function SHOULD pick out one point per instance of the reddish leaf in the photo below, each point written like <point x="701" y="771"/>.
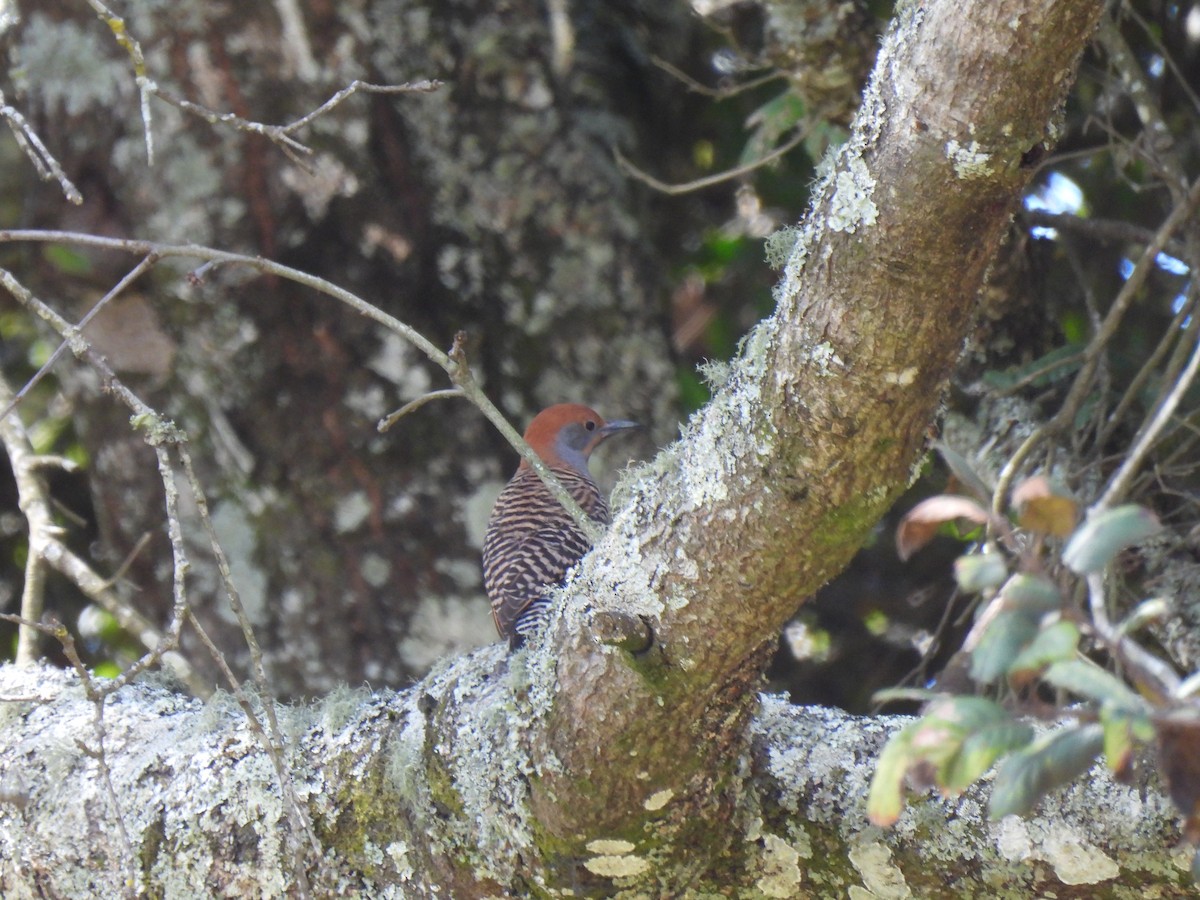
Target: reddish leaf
<point x="1040" y="509"/>
<point x="1179" y="762"/>
<point x="921" y="522"/>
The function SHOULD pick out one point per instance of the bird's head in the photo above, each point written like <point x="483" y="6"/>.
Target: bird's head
<point x="566" y="434"/>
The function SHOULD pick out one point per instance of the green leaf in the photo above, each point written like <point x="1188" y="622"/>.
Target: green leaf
<point x="1001" y="643"/>
<point x="770" y="122"/>
<point x="966" y="714"/>
<point x="1156" y="609"/>
<point x="916" y="695"/>
<point x="979" y="751"/>
<point x="1123" y="730"/>
<point x="1054" y="366"/>
<point x="979" y="571"/>
<point x="1086" y="679"/>
<point x="965" y="473"/>
<point x="886" y="797"/>
<point x="934" y="739"/>
<point x="1031" y="594"/>
<point x="107" y="669"/>
<point x="1103" y="536"/>
<point x="1054" y="643"/>
<point x="1051" y="761"/>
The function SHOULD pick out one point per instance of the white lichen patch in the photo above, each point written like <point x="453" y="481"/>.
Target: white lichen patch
<point x="616" y="866"/>
<point x="485" y="759"/>
<point x="399" y="363"/>
<point x="826" y="359"/>
<point x="375" y="570"/>
<point x="351" y="511"/>
<point x="780" y="246"/>
<point x="880" y="875"/>
<point x="1012" y="839"/>
<point x="443" y="626"/>
<point x="809" y="751"/>
<point x="903" y="378"/>
<point x="686" y="567"/>
<point x="610" y="847"/>
<point x="969" y="161"/>
<point x="1074" y="859"/>
<point x="1076" y="862"/>
<point x="239" y="539"/>
<point x="658" y="800"/>
<point x="781" y="868"/>
<point x="852" y="204"/>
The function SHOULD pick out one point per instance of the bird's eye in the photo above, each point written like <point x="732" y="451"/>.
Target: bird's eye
<point x="589" y="425"/>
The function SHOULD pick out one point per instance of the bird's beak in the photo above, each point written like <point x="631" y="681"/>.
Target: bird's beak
<point x="612" y="428"/>
<point x="604" y="432"/>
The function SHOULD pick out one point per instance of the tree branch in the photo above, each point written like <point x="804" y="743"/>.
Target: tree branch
<point x="779" y="479"/>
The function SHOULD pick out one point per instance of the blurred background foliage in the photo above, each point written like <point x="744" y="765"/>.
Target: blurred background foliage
<point x="882" y="622"/>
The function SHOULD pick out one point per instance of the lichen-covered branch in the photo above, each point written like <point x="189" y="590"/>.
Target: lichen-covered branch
<point x="818" y="427"/>
<point x="421" y="793"/>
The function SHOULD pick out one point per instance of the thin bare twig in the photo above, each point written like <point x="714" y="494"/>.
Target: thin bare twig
<point x="46" y="547"/>
<point x="131" y="46"/>
<point x="31" y="145"/>
<point x="1150" y="672"/>
<point x="716" y="93"/>
<point x="33" y="501"/>
<point x="1119" y="483"/>
<point x="279" y="135"/>
<point x="1154" y="34"/>
<point x="132" y="275"/>
<point x="134" y="883"/>
<point x="1171" y="336"/>
<point x="159" y="433"/>
<point x="413" y="405"/>
<point x="424" y="86"/>
<point x="50" y="550"/>
<point x="1155" y="129"/>
<point x="1109" y="231"/>
<point x="1180" y="214"/>
<point x="457" y="369"/>
<point x="1013" y="467"/>
<point x="99" y="590"/>
<point x="710" y="180"/>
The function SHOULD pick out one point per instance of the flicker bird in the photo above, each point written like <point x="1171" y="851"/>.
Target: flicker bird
<point x="531" y="540"/>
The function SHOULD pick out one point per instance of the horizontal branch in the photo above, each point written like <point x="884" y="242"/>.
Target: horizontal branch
<point x="410" y="794"/>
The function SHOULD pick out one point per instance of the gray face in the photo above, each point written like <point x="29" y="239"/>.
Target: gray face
<point x="575" y="442"/>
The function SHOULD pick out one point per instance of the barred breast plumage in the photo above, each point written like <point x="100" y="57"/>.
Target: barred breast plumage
<point x="531" y="540"/>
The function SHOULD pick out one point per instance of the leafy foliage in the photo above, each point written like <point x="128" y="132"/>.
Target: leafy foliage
<point x="1028" y="639"/>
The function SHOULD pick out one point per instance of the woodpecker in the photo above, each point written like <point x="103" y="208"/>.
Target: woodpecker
<point x="531" y="540"/>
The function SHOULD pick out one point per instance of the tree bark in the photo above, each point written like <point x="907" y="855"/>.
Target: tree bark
<point x="422" y="791"/>
<point x="813" y="434"/>
<point x="582" y="765"/>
